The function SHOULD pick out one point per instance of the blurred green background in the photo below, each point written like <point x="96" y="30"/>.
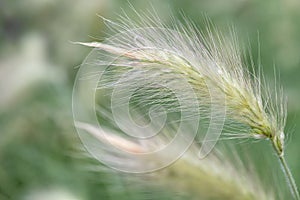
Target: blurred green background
<point x="38" y="65"/>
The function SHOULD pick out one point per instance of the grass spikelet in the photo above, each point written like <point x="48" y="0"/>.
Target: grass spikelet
<point x="152" y="56"/>
<point x="212" y="178"/>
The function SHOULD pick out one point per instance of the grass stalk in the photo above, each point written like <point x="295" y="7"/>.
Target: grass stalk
<point x="287" y="172"/>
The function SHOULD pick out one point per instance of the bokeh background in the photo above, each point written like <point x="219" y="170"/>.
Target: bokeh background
<point x="38" y="64"/>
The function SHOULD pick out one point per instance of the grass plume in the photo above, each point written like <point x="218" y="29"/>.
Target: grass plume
<point x="150" y="52"/>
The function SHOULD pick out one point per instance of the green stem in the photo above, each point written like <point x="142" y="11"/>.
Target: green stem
<point x="288" y="174"/>
<point x="289" y="177"/>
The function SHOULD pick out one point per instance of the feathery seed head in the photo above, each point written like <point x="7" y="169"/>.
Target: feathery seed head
<point x="179" y="70"/>
<point x="214" y="60"/>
